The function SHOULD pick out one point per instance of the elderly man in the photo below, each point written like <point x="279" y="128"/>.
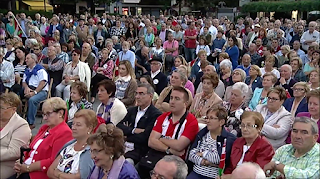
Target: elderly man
<point x="54" y="67"/>
<point x="301" y="158"/>
<point x="252" y="35"/>
<point x="253" y="54"/>
<point x="220" y="89"/>
<point x="87" y="55"/>
<point x="82" y="31"/>
<point x="60" y="54"/>
<point x="35" y="86"/>
<point x="142" y="59"/>
<point x="138" y="123"/>
<point x="285" y="79"/>
<point x="273" y="32"/>
<point x="310" y="36"/>
<point x="160" y="80"/>
<point x="248" y="170"/>
<point x="245" y="63"/>
<point x="170" y="166"/>
<point x="127" y="54"/>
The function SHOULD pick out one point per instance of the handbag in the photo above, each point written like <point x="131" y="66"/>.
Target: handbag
<point x="153" y="156"/>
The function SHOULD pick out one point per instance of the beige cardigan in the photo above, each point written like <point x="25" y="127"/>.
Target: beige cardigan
<point x="212" y="101"/>
<point x="14" y="135"/>
<point x="163" y="106"/>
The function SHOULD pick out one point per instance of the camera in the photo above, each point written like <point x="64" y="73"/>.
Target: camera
<point x="10" y="17"/>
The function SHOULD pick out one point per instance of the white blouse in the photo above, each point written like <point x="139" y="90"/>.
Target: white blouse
<point x="70" y="159"/>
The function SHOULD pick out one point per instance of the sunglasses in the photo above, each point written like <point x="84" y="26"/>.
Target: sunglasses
<point x="36" y="49"/>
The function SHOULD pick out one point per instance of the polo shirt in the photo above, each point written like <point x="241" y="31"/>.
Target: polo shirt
<point x="190" y="43"/>
<point x="173" y="44"/>
<point x="35" y="80"/>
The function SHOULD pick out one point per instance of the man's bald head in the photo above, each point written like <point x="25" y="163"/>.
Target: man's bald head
<point x="209" y="69"/>
<point x="248" y="170"/>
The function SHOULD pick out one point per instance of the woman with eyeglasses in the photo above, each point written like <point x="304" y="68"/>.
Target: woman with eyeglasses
<point x="235" y="107"/>
<point x="277" y="119"/>
<point x="297" y="103"/>
<point x="102" y="69"/>
<point x="15" y="132"/>
<point x="107" y="150"/>
<point x="126" y="84"/>
<point x="74" y="159"/>
<point x="252" y="146"/>
<point x="205" y="151"/>
<point x="75" y="70"/>
<point x="254" y="79"/>
<point x="260" y="94"/>
<point x="47" y="142"/>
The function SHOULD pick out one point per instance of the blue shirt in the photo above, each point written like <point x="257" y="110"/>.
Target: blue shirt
<point x="218" y="43"/>
<point x="129" y="55"/>
<point x="233" y="53"/>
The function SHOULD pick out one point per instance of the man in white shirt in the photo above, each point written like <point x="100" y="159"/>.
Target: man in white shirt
<point x="310" y="36"/>
<point x="212" y="29"/>
<point x="6" y="71"/>
<point x="273" y="32"/>
<point x="35" y="87"/>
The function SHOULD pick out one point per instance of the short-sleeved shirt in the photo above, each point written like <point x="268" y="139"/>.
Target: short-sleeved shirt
<point x="191" y="43"/>
<point x="35" y="80"/>
<point x="167" y="128"/>
<point x="173" y="44"/>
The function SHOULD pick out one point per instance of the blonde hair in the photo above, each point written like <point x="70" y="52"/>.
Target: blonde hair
<point x="304" y="84"/>
<point x="12" y="99"/>
<point x="56" y="103"/>
<point x="201" y="52"/>
<point x="129" y="68"/>
<point x="256" y="67"/>
<point x="89" y="117"/>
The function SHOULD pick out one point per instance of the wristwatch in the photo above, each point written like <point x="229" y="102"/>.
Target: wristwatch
<point x="277" y="162"/>
<point x="35" y="92"/>
<point x="168" y="151"/>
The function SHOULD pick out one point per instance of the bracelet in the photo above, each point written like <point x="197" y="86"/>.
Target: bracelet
<point x="28" y="168"/>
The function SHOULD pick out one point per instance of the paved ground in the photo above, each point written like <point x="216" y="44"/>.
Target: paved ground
<point x="38" y="119"/>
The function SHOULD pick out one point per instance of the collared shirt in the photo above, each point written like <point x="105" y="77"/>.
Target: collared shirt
<point x="129" y="55"/>
<point x="64" y="57"/>
<point x="162" y="36"/>
<point x="7" y="73"/>
<point x="306" y="166"/>
<point x="309" y="36"/>
<point x="35" y="80"/>
<point x="140" y="113"/>
<point x="155" y="73"/>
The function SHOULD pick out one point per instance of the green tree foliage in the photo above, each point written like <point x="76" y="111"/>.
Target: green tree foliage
<point x="281" y="6"/>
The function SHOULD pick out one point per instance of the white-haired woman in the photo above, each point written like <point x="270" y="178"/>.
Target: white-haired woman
<point x="238" y="75"/>
<point x="226" y="70"/>
<point x="235" y="107"/>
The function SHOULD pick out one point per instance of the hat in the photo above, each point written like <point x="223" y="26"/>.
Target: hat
<point x="257" y="25"/>
<point x="155" y="59"/>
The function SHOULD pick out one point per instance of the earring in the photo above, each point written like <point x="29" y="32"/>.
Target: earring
<point x="111" y="157"/>
<point x="88" y="133"/>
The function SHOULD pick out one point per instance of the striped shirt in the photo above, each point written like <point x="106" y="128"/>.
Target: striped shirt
<point x="208" y="148"/>
<point x="20" y="69"/>
<point x="306" y="166"/>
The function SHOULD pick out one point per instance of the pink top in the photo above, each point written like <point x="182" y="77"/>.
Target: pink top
<point x="173" y="44"/>
<point x="189" y="85"/>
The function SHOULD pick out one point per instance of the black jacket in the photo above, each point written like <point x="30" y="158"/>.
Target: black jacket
<point x="140" y="141"/>
<point x="287" y="87"/>
<point x="160" y="81"/>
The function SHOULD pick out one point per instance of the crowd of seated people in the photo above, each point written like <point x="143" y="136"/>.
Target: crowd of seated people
<point x="169" y="97"/>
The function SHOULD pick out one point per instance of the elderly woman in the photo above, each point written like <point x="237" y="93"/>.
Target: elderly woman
<point x="283" y="57"/>
<point x="15" y="132"/>
<point x="297" y="72"/>
<point x="225" y="72"/>
<point x="313" y="64"/>
<point x="48" y="141"/>
<point x="314" y="79"/>
<point x="313" y="98"/>
<point x="260" y="94"/>
<point x="254" y="79"/>
<point x="178" y="78"/>
<point x="277" y="119"/>
<point x="208" y="144"/>
<point x="235" y="107"/>
<point x="238" y="75"/>
<point x="297" y="103"/>
<point x="77" y="101"/>
<point x="126" y="84"/>
<point x="107" y="149"/>
<point x="270" y="60"/>
<point x="103" y="69"/>
<point x="252" y="146"/>
<point x="74" y="159"/>
<point x="111" y="108"/>
<point x="74" y="71"/>
<point x="206" y="99"/>
<point x="189" y="85"/>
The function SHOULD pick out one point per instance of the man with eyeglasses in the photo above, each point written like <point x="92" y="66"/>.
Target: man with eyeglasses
<point x="286" y="80"/>
<point x="160" y="80"/>
<point x="170" y="167"/>
<point x="138" y="123"/>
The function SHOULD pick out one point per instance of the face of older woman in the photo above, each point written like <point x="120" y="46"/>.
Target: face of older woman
<point x="103" y="94"/>
<point x="248" y="128"/>
<point x="53" y="118"/>
<point x="99" y="155"/>
<point x="225" y="70"/>
<point x="267" y="82"/>
<point x="123" y="70"/>
<point x="75" y="56"/>
<point x="295" y="65"/>
<point x="314" y="77"/>
<point x="236" y="76"/>
<point x="75" y="95"/>
<point x="175" y="79"/>
<point x="236" y="97"/>
<point x="299" y="91"/>
<point x="253" y="72"/>
<point x="213" y="122"/>
<point x="274" y="103"/>
<point x="79" y="128"/>
<point x="6" y="111"/>
<point x="207" y="86"/>
<point x="314" y="105"/>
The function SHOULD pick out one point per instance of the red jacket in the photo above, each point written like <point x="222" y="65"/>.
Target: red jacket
<point x="49" y="147"/>
<point x="260" y="152"/>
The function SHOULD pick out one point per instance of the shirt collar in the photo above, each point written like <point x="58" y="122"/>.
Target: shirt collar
<point x="144" y="110"/>
<point x="155" y="73"/>
<point x="288" y="81"/>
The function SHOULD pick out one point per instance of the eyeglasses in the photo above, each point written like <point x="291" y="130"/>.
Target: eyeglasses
<point x="243" y="126"/>
<point x="155" y="175"/>
<point x="95" y="151"/>
<point x="272" y="99"/>
<point x="236" y="73"/>
<point x="298" y="89"/>
<point x="74" y="54"/>
<point x="48" y="114"/>
<point x="140" y="93"/>
<point x="210" y="118"/>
